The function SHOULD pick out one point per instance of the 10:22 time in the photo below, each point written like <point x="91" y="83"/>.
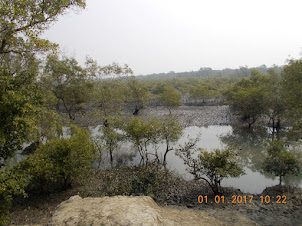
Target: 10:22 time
<point x="242" y="199"/>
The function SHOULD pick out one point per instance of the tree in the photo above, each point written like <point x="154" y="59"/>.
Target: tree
<point x="170" y="131"/>
<point x="141" y="133"/>
<point x="248" y="97"/>
<point x="109" y="98"/>
<point x="274" y="100"/>
<point x="292" y="85"/>
<point x="170" y="97"/>
<point x="68" y="83"/>
<point x="281" y="162"/>
<point x="212" y="167"/>
<point x="199" y="91"/>
<point x="138" y="94"/>
<point x="20" y="101"/>
<point x="21" y="24"/>
<point x="111" y="136"/>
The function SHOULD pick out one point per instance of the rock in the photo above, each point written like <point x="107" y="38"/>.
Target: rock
<point x="123" y="210"/>
<point x="31" y="148"/>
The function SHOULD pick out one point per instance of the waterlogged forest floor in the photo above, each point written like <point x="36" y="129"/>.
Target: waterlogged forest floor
<point x="272" y="213"/>
<point x="38" y="209"/>
<point x="187" y="115"/>
<point x="195" y="115"/>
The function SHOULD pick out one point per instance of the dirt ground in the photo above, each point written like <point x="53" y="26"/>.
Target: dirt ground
<point x="254" y="208"/>
<point x="39" y="209"/>
<point x="195" y="115"/>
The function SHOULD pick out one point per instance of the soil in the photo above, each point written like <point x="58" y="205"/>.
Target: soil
<point x="39" y="209"/>
<point x="270" y="213"/>
<point x="195" y="115"/>
<point x="128" y="210"/>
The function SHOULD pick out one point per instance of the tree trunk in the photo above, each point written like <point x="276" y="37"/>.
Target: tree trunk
<point x="106" y="123"/>
<point x="111" y="157"/>
<point x="278" y="126"/>
<point x="165" y="156"/>
<point x="274" y="127"/>
<point x="71" y="117"/>
<point x="146" y="153"/>
<point x="253" y="121"/>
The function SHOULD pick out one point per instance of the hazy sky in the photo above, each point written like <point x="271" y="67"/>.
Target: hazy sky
<point x="153" y="36"/>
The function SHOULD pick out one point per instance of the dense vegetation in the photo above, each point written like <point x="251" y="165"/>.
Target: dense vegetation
<point x="40" y="97"/>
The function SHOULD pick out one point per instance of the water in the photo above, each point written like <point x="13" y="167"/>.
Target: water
<point x="251" y="151"/>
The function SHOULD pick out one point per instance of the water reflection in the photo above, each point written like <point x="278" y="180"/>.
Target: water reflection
<point x="251" y="148"/>
<point x="252" y="145"/>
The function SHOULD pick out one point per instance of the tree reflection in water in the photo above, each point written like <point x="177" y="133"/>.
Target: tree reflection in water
<point x="251" y="145"/>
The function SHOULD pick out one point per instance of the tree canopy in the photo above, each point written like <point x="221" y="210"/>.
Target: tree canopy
<point x="21" y="25"/>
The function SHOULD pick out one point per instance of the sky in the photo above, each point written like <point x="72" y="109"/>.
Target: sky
<point x="154" y="36"/>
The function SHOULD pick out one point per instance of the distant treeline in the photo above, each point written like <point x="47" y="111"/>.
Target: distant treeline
<point x="206" y="72"/>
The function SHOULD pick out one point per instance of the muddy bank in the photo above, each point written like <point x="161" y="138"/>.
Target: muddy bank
<point x="185" y="196"/>
<point x="195" y="115"/>
<point x="271" y="213"/>
<point x="40" y="210"/>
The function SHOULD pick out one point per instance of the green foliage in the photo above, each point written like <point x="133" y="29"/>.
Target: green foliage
<point x="21" y="25"/>
<point x="275" y="103"/>
<point x="141" y="133"/>
<point x="59" y="162"/>
<point x="272" y="95"/>
<point x="281" y="162"/>
<point x="170" y="97"/>
<point x="170" y="132"/>
<point x="199" y="91"/>
<point x="68" y="83"/>
<point x="23" y="21"/>
<point x="292" y="87"/>
<point x="292" y="82"/>
<point x="11" y="183"/>
<point x="211" y="167"/>
<point x="136" y="180"/>
<point x="109" y="97"/>
<point x="137" y="93"/>
<point x="48" y="125"/>
<point x="19" y="103"/>
<point x="248" y="97"/>
<point x="111" y="135"/>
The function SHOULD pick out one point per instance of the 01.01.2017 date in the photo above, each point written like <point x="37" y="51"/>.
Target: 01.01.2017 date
<point x="242" y="199"/>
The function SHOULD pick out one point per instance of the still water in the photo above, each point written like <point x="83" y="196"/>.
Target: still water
<point x="249" y="143"/>
<point x="251" y="146"/>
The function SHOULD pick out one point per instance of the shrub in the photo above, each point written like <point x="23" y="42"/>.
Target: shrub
<point x="11" y="184"/>
<point x="61" y="161"/>
<point x="135" y="180"/>
<point x="211" y="167"/>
